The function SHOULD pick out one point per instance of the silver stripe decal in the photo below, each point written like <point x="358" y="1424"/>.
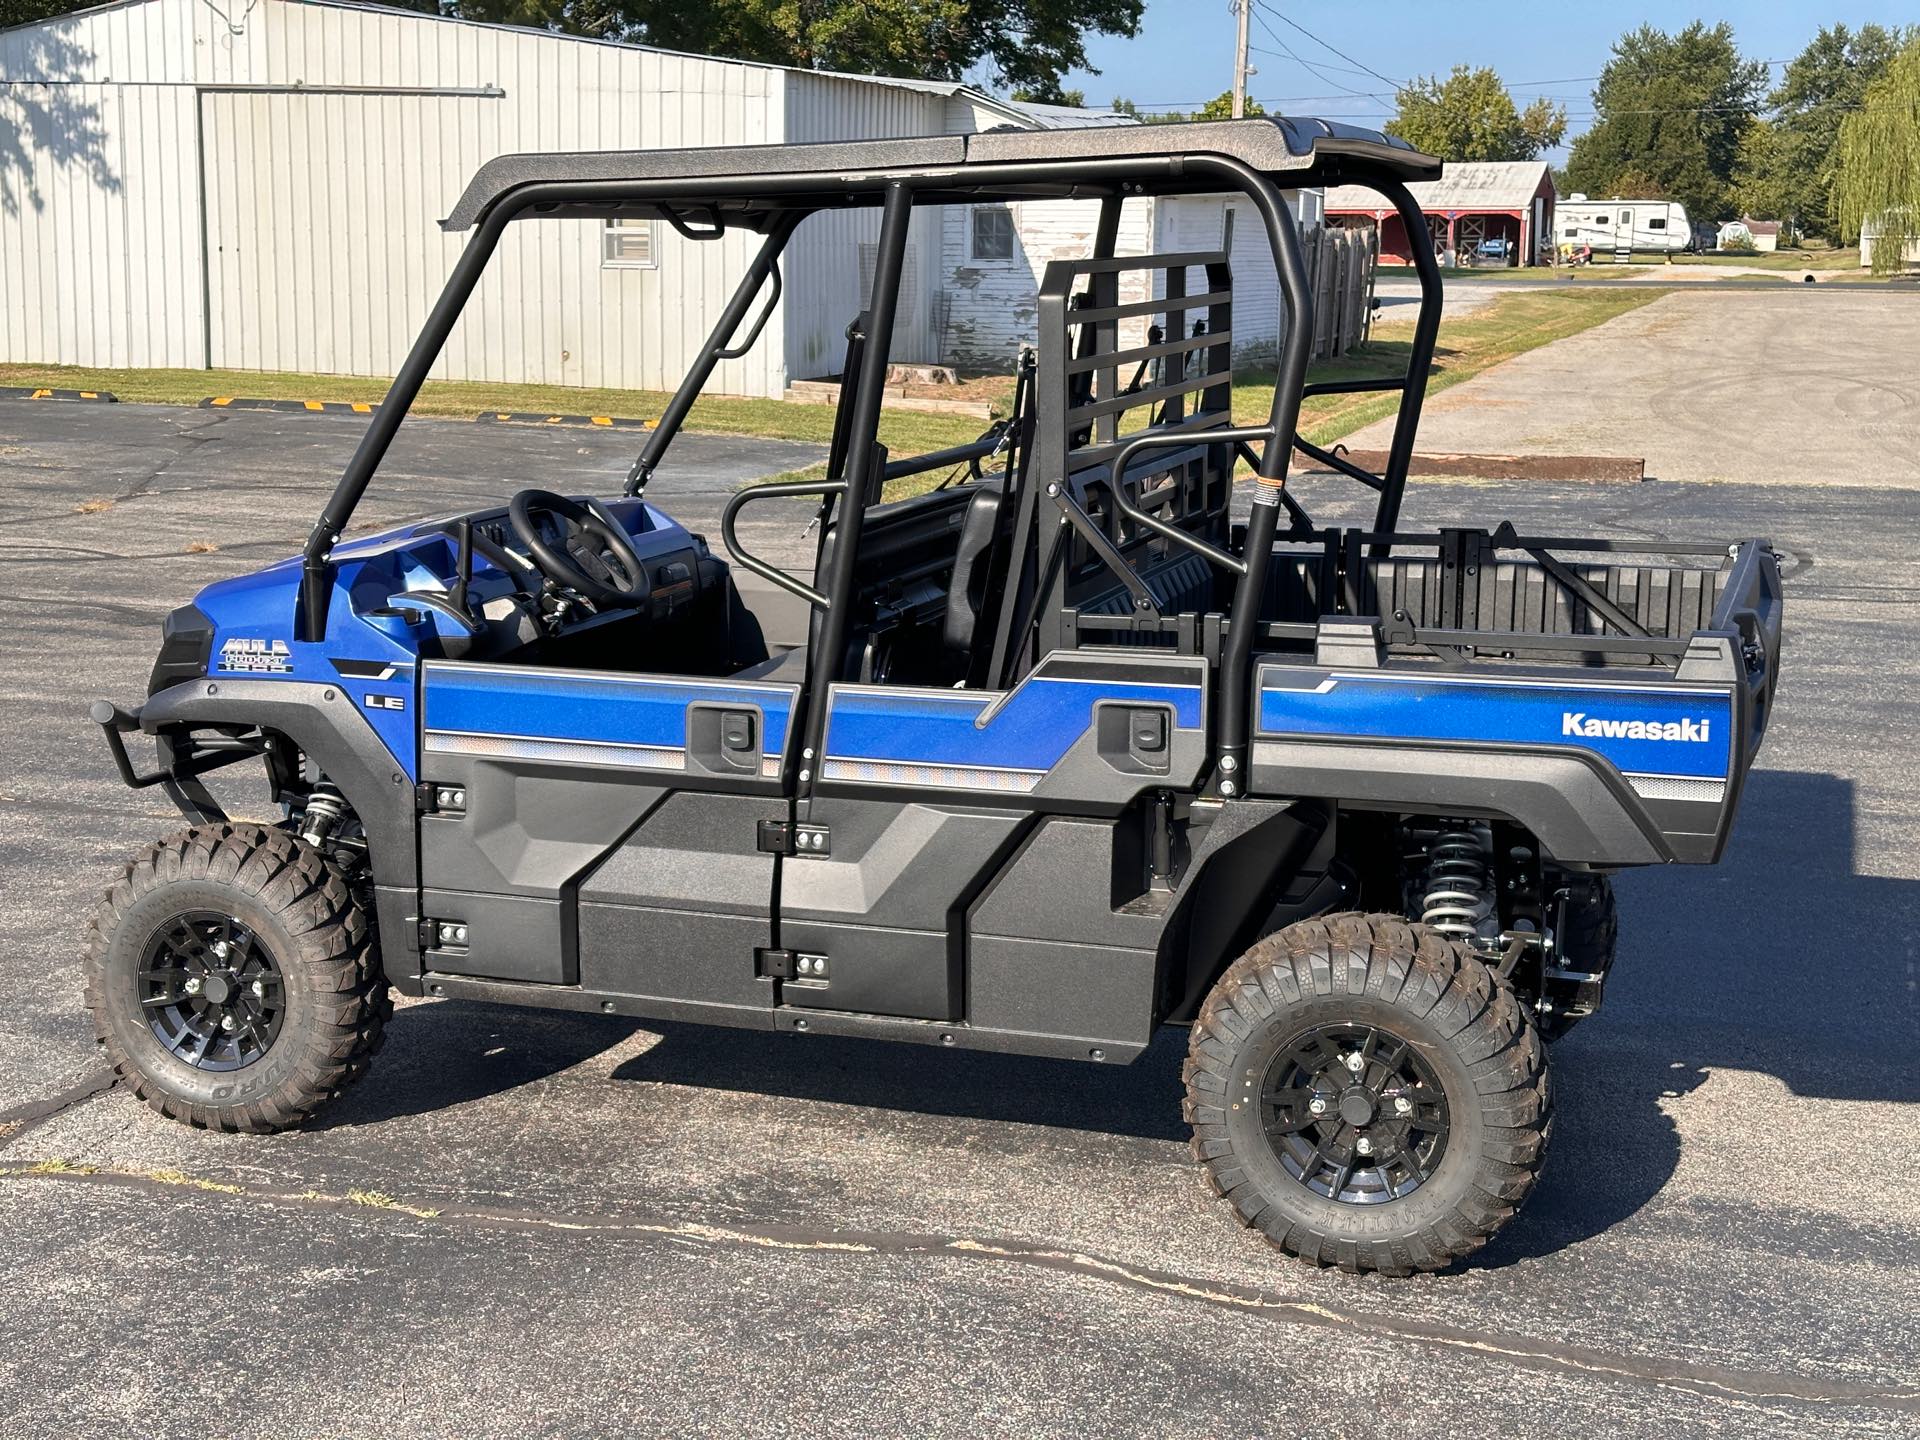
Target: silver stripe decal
<point x="615" y="678"/>
<point x="1267" y="750"/>
<point x="945" y="777"/>
<point x="573" y="752"/>
<point x="1677" y="787"/>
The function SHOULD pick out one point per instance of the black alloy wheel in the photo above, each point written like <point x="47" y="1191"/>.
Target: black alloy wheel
<point x="213" y="994"/>
<point x="234" y="978"/>
<point x="1354" y="1114"/>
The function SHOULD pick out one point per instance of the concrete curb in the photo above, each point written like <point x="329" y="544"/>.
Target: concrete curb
<point x="367" y="407"/>
<point x="253" y="402"/>
<point x="1600" y="469"/>
<point x="596" y="422"/>
<point x="30" y="392"/>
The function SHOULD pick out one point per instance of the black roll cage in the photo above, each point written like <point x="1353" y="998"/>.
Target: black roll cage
<point x="1083" y="164"/>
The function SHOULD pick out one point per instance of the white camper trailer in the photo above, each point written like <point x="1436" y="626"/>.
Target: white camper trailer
<point x="1623" y="226"/>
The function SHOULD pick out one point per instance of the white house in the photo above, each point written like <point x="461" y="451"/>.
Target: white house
<point x="1870" y="241"/>
<point x="257" y="186"/>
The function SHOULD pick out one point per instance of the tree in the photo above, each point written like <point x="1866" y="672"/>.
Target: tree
<point x="1671" y="109"/>
<point x="1221" y="108"/>
<point x="1877" y="162"/>
<point x="25" y="12"/>
<point x="1786" y="163"/>
<point x="1123" y="106"/>
<point x="1021" y="44"/>
<point x="1076" y="98"/>
<point x="1470" y="116"/>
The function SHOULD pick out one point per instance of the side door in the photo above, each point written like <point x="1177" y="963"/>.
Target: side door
<point x="598" y="828"/>
<point x="924" y="800"/>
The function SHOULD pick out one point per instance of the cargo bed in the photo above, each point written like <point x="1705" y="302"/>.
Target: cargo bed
<point x="1611" y="701"/>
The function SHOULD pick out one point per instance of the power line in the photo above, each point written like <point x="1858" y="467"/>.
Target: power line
<point x="1294" y="25"/>
<point x="1343" y="69"/>
<point x="1287" y="52"/>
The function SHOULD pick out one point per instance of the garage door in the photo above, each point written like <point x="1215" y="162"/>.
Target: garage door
<point x="321" y="225"/>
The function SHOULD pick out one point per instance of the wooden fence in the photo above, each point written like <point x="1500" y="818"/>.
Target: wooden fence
<point x="1340" y="267"/>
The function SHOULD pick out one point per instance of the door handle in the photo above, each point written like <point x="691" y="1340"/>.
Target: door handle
<point x="724" y="739"/>
<point x="1135" y="739"/>
<point x="1147" y="738"/>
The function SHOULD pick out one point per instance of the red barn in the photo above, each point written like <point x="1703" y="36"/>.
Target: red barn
<point x="1490" y="212"/>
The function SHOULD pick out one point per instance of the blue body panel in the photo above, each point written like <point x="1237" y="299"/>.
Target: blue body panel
<point x="1638" y="729"/>
<point x="594" y="717"/>
<point x="973" y="738"/>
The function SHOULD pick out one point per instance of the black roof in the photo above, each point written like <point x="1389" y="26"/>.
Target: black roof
<point x="746" y="183"/>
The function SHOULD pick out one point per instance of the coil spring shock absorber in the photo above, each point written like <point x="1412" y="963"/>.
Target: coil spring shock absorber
<point x="1457" y="895"/>
<point x="325" y="809"/>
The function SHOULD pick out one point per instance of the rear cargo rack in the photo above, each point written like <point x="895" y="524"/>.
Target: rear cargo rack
<point x="1465" y="602"/>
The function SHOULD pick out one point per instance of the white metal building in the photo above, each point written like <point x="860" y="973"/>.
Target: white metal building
<point x="256" y="184"/>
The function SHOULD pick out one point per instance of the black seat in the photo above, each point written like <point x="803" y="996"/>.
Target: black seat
<point x="968" y="590"/>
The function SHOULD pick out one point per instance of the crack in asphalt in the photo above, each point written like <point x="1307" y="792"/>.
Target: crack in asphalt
<point x="21" y="1119"/>
<point x="1524" y="1352"/>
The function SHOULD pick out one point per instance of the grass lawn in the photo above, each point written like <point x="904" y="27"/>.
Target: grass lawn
<point x="1511" y="325"/>
<point x="903" y="432"/>
<point x="1843" y="258"/>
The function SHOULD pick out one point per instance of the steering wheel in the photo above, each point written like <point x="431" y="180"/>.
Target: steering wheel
<point x="595" y="559"/>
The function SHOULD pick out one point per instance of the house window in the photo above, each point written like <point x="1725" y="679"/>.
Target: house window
<point x="629" y="245"/>
<point x="1656" y="224"/>
<point x="1226" y="232"/>
<point x="1626" y="217"/>
<point x="992" y="232"/>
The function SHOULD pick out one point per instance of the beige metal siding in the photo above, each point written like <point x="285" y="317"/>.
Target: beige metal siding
<point x="322" y="208"/>
<point x="99" y="247"/>
<point x="824" y="290"/>
<point x="341" y="281"/>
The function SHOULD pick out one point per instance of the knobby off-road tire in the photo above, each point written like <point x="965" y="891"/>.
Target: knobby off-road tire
<point x="301" y="978"/>
<point x="1447" y="1038"/>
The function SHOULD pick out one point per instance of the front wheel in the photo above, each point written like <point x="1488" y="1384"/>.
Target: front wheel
<point x="233" y="978"/>
<point x="1367" y="1094"/>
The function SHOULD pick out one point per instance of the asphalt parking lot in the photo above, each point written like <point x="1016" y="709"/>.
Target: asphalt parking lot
<point x="565" y="1225"/>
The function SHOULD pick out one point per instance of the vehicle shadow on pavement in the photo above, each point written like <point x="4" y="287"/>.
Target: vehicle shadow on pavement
<point x="453" y="1052"/>
<point x="1788" y="962"/>
<point x="1140" y="1101"/>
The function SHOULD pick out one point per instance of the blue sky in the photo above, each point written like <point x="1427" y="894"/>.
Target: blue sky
<point x="1184" y="52"/>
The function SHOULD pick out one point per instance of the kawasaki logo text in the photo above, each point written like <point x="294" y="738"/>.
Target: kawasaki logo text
<point x="1577" y="722"/>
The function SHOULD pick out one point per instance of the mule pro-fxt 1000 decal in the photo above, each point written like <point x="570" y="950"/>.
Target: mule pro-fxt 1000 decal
<point x="1649" y="733"/>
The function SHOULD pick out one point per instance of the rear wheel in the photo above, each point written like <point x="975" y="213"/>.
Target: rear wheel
<point x="233" y="979"/>
<point x="1367" y="1094"/>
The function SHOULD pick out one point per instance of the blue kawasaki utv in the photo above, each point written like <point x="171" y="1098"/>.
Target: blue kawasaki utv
<point x="1092" y="742"/>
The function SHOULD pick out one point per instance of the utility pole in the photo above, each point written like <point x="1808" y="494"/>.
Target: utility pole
<point x="1244" y="10"/>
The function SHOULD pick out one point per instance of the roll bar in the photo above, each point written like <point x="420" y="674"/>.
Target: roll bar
<point x="1109" y="177"/>
<point x="1104" y="176"/>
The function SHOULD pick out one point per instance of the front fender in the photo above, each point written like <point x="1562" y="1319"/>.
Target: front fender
<point x="324" y="722"/>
